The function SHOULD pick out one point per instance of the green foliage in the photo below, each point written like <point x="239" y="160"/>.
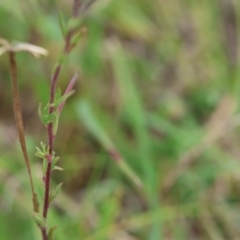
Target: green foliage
<point x="55" y="192"/>
<point x="43" y="153"/>
<point x="47" y="117"/>
<point x="39" y="219"/>
<point x="159" y="95"/>
<point x="51" y="232"/>
<point x="90" y="122"/>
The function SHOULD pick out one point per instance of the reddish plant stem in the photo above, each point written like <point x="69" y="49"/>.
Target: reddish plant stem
<point x="44" y="234"/>
<point x="47" y="188"/>
<point x="50" y="141"/>
<point x="67" y="49"/>
<point x="76" y="7"/>
<point x="50" y="144"/>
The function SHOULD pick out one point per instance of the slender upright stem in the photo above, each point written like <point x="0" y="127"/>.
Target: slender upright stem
<point x="50" y="144"/>
<point x="19" y="124"/>
<point x="50" y="141"/>
<point x="51" y="135"/>
<point x="66" y="51"/>
<point x="44" y="234"/>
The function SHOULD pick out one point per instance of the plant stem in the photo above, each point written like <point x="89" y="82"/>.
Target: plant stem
<point x="44" y="234"/>
<point x="50" y="125"/>
<point x="51" y="136"/>
<point x="50" y="144"/>
<point x="19" y="123"/>
<point x="66" y="51"/>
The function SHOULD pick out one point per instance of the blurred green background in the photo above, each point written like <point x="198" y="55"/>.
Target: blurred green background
<point x="159" y="90"/>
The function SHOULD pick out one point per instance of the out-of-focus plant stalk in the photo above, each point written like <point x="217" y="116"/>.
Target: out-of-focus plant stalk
<point x="19" y="124"/>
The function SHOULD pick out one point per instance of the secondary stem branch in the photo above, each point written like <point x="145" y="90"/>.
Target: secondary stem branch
<point x="19" y="123"/>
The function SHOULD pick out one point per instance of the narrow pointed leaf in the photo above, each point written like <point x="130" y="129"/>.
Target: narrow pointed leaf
<point x="39" y="219"/>
<point x="92" y="124"/>
<point x="45" y="163"/>
<point x="57" y="168"/>
<point x="55" y="160"/>
<point x="62" y="24"/>
<point x="51" y="233"/>
<point x="55" y="192"/>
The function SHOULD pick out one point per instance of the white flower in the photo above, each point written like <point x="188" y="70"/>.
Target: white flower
<point x="19" y="46"/>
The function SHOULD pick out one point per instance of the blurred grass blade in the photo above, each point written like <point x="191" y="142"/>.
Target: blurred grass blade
<point x="129" y="172"/>
<point x="63" y="24"/>
<point x="89" y="120"/>
<point x="135" y="114"/>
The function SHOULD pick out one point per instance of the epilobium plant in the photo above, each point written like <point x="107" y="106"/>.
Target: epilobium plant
<point x="72" y="32"/>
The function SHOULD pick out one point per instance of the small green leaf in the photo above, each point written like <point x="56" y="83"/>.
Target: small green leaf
<point x="62" y="24"/>
<point x="38" y="154"/>
<point x="39" y="150"/>
<point x="44" y="115"/>
<point x="51" y="233"/>
<point x="50" y="118"/>
<point x="42" y="191"/>
<point x="66" y="96"/>
<point x="59" y="99"/>
<point x="58" y="94"/>
<point x="77" y="37"/>
<point x="74" y="23"/>
<point x="45" y="110"/>
<point x="58" y="188"/>
<point x="43" y="147"/>
<point x="55" y="124"/>
<point x="39" y="219"/>
<point x="55" y="160"/>
<point x="45" y="163"/>
<point x="54" y="193"/>
<point x="57" y="168"/>
<point x="42" y="153"/>
<point x="40" y="114"/>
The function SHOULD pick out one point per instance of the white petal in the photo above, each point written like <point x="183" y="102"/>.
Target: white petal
<point x="35" y="50"/>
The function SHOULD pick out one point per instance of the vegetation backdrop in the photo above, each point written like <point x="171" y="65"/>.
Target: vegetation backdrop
<point x="149" y="142"/>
